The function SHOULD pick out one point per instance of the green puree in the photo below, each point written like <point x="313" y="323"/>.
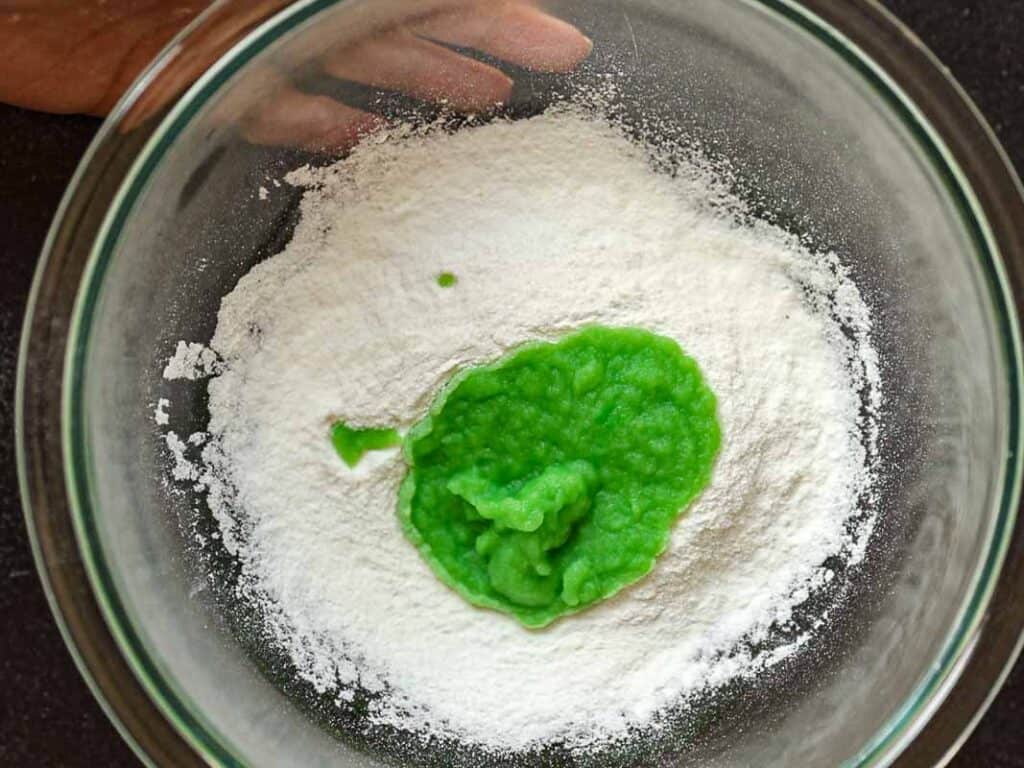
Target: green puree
<point x="550" y="479"/>
<point x="352" y="442"/>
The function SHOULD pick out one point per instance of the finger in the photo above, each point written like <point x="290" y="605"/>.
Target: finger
<point x="400" y="61"/>
<point x="223" y="26"/>
<point x="512" y="31"/>
<point x="313" y="122"/>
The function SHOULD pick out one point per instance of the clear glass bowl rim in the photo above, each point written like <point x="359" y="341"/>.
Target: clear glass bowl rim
<point x="1003" y="238"/>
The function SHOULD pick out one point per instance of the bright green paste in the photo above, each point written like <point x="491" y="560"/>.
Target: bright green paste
<point x="447" y="280"/>
<point x="549" y="480"/>
<point x="352" y="442"/>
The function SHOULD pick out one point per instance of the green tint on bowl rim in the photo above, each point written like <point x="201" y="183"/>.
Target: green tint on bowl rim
<point x="901" y="728"/>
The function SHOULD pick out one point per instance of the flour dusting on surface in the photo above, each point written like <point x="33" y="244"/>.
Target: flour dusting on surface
<point x="551" y="223"/>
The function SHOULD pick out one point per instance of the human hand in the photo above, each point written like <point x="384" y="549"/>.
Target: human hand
<point x="80" y="57"/>
<point x="412" y="58"/>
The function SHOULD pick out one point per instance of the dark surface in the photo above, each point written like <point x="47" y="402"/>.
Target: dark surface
<point x="47" y="715"/>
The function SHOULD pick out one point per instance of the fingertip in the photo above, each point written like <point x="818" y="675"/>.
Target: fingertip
<point x="402" y="61"/>
<point x="345" y="135"/>
<point x="551" y="44"/>
<point x="515" y="32"/>
<point x="313" y="122"/>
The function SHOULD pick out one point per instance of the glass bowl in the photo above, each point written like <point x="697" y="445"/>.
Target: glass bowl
<point x="839" y="126"/>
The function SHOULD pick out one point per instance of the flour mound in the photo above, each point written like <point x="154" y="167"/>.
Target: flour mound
<point x="549" y="224"/>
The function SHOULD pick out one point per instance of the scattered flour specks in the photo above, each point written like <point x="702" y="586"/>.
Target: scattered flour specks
<point x="550" y="223"/>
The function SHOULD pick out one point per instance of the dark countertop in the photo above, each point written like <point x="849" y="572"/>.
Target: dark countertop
<point x="47" y="715"/>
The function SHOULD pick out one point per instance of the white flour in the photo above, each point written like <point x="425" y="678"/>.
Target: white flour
<point x="548" y="224"/>
<point x="190" y="361"/>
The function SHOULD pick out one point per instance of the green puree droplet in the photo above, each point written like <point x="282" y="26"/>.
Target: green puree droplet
<point x="352" y="442"/>
<point x="550" y="479"/>
<point x="447" y="279"/>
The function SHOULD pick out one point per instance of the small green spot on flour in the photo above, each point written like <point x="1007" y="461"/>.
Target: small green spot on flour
<point x="352" y="442"/>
